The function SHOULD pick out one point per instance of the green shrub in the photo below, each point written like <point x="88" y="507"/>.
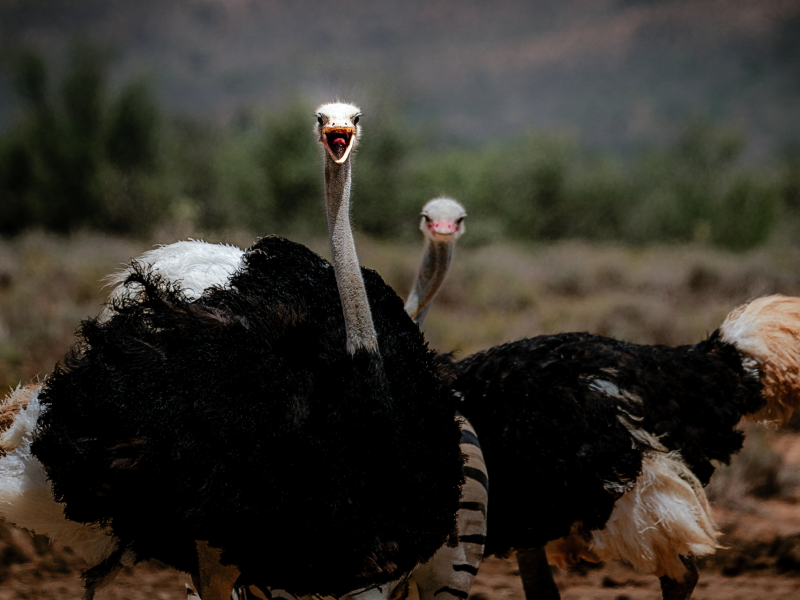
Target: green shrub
<point x="86" y="157"/>
<point x="76" y="159"/>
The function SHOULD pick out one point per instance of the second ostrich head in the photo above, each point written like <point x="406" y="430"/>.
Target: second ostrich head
<point x="442" y="224"/>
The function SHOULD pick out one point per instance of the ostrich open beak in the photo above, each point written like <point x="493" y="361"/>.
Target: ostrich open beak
<point x="338" y="141"/>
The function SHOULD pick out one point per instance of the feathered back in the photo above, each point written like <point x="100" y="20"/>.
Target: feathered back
<point x="576" y="412"/>
<point x="768" y="330"/>
<point x="240" y="419"/>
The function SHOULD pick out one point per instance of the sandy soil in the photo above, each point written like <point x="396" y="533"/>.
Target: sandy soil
<point x="752" y="569"/>
<point x="45" y="582"/>
<point x="498" y="580"/>
<point x="762" y="561"/>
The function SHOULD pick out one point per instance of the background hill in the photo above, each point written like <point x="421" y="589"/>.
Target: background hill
<point x="615" y="73"/>
<point x="665" y="120"/>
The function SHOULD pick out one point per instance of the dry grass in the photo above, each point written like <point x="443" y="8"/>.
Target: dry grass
<point x="47" y="285"/>
<point x="668" y="295"/>
<point x="671" y="295"/>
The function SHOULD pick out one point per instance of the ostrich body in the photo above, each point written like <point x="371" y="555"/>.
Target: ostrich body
<point x="600" y="449"/>
<point x="270" y="418"/>
<point x="453" y="568"/>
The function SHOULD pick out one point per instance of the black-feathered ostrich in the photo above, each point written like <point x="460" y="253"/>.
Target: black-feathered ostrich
<point x="600" y="449"/>
<point x="228" y="435"/>
<point x="453" y="568"/>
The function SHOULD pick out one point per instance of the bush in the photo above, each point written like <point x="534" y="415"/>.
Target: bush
<point x="74" y="159"/>
<point x="86" y="157"/>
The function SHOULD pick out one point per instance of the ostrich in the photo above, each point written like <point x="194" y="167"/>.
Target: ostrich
<point x="229" y="433"/>
<point x="442" y="224"/>
<point x="197" y="265"/>
<point x="453" y="568"/>
<point x="617" y="439"/>
<point x="600" y="449"/>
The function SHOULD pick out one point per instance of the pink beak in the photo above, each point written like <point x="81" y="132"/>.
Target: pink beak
<point x="445" y="227"/>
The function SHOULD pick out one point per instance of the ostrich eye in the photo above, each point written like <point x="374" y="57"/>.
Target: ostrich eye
<point x="355" y="119"/>
<point x="426" y="217"/>
<point x="319" y="119"/>
<point x="460" y="220"/>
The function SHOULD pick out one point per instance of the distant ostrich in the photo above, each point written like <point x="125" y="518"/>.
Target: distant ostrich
<point x="229" y="433"/>
<point x="442" y="224"/>
<point x="600" y="449"/>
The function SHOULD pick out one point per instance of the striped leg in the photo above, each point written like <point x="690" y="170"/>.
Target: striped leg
<point x="451" y="571"/>
<point x="537" y="579"/>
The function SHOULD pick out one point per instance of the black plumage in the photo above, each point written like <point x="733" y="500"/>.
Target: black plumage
<point x="240" y="419"/>
<point x="557" y="416"/>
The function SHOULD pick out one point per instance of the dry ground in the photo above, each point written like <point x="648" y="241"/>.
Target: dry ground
<point x="495" y="294"/>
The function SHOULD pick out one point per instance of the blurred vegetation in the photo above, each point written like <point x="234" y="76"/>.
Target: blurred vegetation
<point x="82" y="157"/>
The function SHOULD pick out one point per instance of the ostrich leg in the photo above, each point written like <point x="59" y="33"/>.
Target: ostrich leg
<point x="537" y="579"/>
<point x="674" y="590"/>
<point x="216" y="580"/>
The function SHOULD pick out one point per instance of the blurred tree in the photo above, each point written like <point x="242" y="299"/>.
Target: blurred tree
<point x="71" y="157"/>
<point x="131" y="133"/>
<point x="292" y="164"/>
<point x="30" y="80"/>
<point x="83" y="156"/>
<point x="381" y="171"/>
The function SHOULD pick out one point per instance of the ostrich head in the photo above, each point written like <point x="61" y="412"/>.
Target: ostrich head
<point x="338" y="129"/>
<point x="442" y="220"/>
<point x="442" y="224"/>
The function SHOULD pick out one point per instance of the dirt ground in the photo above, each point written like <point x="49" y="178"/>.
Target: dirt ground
<point x="497" y="580"/>
<point x="761" y="561"/>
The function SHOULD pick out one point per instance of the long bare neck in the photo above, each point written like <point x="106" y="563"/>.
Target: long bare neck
<point x="357" y="315"/>
<point x="432" y="272"/>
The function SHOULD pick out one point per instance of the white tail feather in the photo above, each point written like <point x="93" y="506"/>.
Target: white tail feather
<point x="767" y="330"/>
<point x="26" y="498"/>
<point x="664" y="517"/>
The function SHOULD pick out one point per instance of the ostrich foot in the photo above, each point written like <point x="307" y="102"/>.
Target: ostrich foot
<point x="537" y="579"/>
<point x="216" y="580"/>
<point x="674" y="590"/>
